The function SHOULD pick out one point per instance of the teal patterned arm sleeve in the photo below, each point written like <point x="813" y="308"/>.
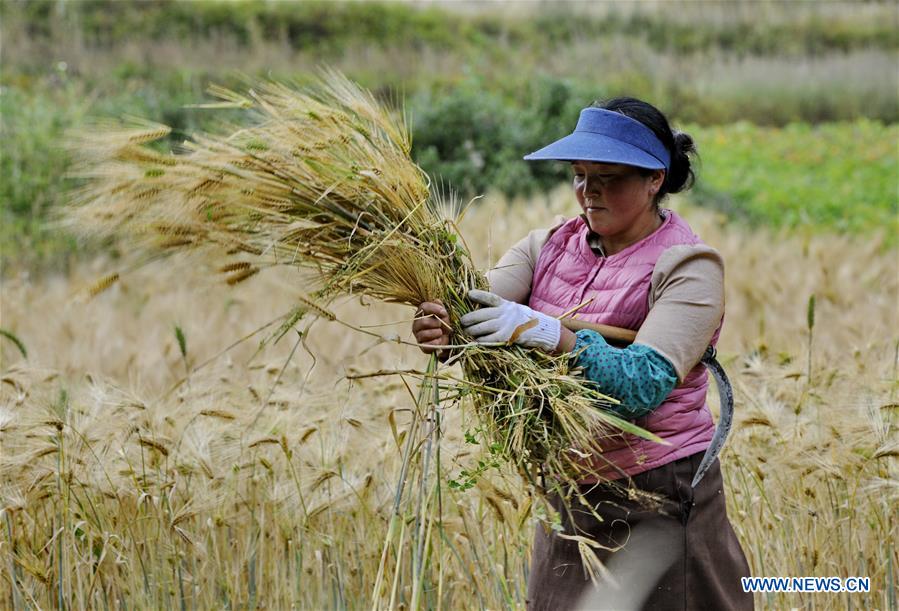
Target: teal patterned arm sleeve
<point x="638" y="376"/>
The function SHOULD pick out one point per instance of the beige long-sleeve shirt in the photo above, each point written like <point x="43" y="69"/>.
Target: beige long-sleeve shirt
<point x="686" y="297"/>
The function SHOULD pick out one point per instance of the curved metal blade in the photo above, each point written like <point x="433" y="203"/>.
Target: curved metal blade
<point x="725" y="421"/>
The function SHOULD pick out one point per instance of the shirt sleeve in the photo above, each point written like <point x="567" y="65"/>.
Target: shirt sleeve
<point x="512" y="276"/>
<point x="638" y="376"/>
<point x="686" y="305"/>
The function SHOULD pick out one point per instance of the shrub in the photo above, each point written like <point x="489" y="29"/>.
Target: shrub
<point x="475" y="140"/>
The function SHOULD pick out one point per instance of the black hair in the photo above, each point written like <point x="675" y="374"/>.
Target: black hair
<point x="680" y="145"/>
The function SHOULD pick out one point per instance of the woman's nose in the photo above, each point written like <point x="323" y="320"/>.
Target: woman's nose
<point x="592" y="186"/>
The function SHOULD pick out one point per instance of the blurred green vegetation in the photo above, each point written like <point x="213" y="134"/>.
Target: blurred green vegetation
<point x="475" y="141"/>
<point x="788" y="102"/>
<point x="772" y="62"/>
<point x="839" y="176"/>
<point x="333" y="26"/>
<point x="32" y="175"/>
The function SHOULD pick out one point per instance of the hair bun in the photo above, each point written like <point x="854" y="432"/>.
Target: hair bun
<point x="681" y="176"/>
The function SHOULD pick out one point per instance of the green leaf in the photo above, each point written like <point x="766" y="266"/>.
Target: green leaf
<point x="630" y="427"/>
<point x="810" y="314"/>
<point x="8" y="335"/>
<point x="182" y="341"/>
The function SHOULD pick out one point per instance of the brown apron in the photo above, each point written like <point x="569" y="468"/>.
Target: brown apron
<point x="683" y="555"/>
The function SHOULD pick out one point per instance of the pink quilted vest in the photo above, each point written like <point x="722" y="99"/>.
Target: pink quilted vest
<point x="568" y="273"/>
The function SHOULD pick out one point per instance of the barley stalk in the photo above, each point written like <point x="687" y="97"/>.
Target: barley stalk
<point x="321" y="179"/>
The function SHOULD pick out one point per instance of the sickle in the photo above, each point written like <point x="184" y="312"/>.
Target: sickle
<point x="722" y="383"/>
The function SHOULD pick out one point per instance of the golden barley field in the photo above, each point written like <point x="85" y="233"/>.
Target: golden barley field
<point x="266" y="479"/>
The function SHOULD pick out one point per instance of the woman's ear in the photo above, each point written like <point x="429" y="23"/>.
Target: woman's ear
<point x="657" y="178"/>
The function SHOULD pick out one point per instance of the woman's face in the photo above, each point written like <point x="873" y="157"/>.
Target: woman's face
<point x="614" y="197"/>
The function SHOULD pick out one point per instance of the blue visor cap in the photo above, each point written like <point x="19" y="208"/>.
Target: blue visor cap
<point x="608" y="137"/>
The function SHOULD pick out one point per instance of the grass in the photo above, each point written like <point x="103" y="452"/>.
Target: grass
<point x="682" y="27"/>
<point x="115" y="488"/>
<point x="712" y="84"/>
<point x="836" y="176"/>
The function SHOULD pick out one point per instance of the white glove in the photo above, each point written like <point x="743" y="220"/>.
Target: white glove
<point x="499" y="322"/>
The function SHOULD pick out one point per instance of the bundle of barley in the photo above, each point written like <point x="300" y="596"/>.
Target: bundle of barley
<point x="323" y="180"/>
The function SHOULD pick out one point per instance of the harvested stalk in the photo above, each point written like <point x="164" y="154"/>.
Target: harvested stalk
<point x="322" y="180"/>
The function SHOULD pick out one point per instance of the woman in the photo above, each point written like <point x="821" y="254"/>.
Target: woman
<point x="636" y="266"/>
